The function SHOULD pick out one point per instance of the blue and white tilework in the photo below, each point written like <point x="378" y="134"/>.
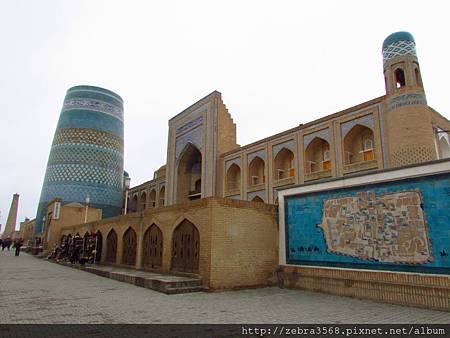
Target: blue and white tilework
<point x="86" y="158"/>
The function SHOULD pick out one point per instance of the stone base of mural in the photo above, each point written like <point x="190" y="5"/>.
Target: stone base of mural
<point x="419" y="290"/>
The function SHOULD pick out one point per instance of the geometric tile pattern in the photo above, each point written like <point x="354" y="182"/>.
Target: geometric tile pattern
<point x="88" y="136"/>
<point x="86" y="158"/>
<point x="399" y="48"/>
<point x="83" y="173"/>
<point x="86" y="154"/>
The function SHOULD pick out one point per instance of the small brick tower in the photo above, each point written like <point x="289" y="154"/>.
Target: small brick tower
<point x="410" y="133"/>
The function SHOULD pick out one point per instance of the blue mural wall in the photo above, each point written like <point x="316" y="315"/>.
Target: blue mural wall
<point x="306" y="241"/>
<point x="86" y="157"/>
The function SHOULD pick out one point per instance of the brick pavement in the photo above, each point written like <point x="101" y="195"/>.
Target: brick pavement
<point x="37" y="291"/>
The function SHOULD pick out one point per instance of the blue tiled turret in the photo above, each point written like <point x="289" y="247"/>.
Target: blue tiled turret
<point x="86" y="157"/>
<point x="398" y="44"/>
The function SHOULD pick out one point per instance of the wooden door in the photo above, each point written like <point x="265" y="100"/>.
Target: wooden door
<point x="185" y="248"/>
<point x="153" y="247"/>
<point x="111" y="247"/>
<point x="129" y="247"/>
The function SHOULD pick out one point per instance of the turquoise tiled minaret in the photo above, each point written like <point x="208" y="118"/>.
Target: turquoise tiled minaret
<point x="86" y="157"/>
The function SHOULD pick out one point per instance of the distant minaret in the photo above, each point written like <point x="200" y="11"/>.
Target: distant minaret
<point x="10" y="226"/>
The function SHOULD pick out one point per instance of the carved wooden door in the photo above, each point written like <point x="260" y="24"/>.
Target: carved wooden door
<point x="129" y="247"/>
<point x="185" y="248"/>
<point x="153" y="247"/>
<point x="111" y="247"/>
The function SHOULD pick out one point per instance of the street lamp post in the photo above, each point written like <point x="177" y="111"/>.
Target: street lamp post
<point x="87" y="207"/>
<point x="127" y="186"/>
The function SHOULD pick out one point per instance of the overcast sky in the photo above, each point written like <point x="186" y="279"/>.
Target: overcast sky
<point x="276" y="63"/>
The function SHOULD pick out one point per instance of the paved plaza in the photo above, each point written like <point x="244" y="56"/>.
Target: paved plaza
<point x="38" y="291"/>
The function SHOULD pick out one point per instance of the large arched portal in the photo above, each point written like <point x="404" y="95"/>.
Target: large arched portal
<point x="189" y="175"/>
<point x="185" y="248"/>
<point x="153" y="247"/>
<point x="129" y="247"/>
<point x="111" y="247"/>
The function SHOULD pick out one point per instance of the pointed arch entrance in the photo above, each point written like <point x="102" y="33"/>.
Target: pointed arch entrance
<point x="153" y="247"/>
<point x="185" y="247"/>
<point x="129" y="247"/>
<point x="111" y="247"/>
<point x="189" y="174"/>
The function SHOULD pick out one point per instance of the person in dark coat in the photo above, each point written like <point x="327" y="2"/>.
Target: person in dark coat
<point x="8" y="243"/>
<point x="18" y="244"/>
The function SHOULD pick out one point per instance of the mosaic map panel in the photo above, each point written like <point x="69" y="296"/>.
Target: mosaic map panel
<point x="388" y="228"/>
<point x="401" y="225"/>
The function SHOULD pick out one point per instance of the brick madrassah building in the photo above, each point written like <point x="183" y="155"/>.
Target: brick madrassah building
<point x="354" y="203"/>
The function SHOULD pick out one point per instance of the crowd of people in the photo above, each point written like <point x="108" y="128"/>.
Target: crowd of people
<point x="77" y="249"/>
<point x="6" y="243"/>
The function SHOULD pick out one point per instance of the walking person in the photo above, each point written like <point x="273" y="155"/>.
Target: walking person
<point x="18" y="244"/>
<point x="8" y="243"/>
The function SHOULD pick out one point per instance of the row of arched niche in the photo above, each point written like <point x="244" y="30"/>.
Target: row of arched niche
<point x="185" y="250"/>
<point x="141" y="202"/>
<point x="358" y="147"/>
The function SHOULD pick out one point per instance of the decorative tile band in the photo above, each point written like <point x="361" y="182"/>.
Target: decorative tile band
<point x="411" y="99"/>
<point x="189" y="125"/>
<point x="95" y="105"/>
<point x="399" y="48"/>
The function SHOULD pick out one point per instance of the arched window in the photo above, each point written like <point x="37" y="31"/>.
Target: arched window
<point x="233" y="178"/>
<point x="284" y="164"/>
<point x="143" y="201"/>
<point x="152" y="198"/>
<point x="317" y="156"/>
<point x="444" y="148"/>
<point x="359" y="145"/>
<point x="134" y="204"/>
<point x="256" y="172"/>
<point x="399" y="78"/>
<point x="162" y="193"/>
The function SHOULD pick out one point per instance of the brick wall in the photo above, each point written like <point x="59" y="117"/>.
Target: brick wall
<point x="238" y="239"/>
